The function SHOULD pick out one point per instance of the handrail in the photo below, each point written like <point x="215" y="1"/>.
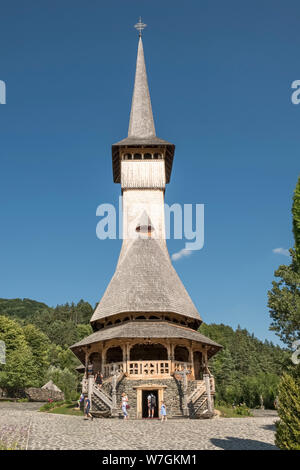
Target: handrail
<point x="197" y="393"/>
<point x="100" y="394"/>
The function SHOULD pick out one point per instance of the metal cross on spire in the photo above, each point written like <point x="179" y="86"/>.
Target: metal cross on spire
<point x="140" y="26"/>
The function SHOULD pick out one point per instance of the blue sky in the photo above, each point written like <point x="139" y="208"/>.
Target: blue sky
<point x="220" y="77"/>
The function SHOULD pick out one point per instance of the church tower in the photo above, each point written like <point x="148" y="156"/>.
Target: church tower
<point x="145" y="326"/>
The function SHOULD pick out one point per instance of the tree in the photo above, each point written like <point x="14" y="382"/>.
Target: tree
<point x="284" y="302"/>
<point x="39" y="344"/>
<point x="20" y="369"/>
<point x="65" y="380"/>
<point x="288" y="428"/>
<point x="284" y="298"/>
<point x="296" y="221"/>
<point x="246" y="368"/>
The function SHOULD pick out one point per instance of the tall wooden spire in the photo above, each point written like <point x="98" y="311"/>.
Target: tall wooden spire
<point x="141" y="122"/>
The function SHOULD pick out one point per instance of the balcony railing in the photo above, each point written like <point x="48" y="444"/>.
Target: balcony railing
<point x="110" y="369"/>
<point x="149" y="368"/>
<point x="180" y="366"/>
<point x="146" y="368"/>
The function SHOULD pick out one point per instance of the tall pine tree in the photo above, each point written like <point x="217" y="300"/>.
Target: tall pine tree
<point x="284" y="302"/>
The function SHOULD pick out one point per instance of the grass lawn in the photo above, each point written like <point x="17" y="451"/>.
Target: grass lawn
<point x="65" y="409"/>
<point x="229" y="412"/>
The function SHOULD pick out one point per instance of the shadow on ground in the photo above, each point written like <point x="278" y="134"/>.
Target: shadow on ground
<point x="269" y="427"/>
<point x="235" y="443"/>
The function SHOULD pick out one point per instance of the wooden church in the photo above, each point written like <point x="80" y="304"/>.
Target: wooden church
<point x="145" y="326"/>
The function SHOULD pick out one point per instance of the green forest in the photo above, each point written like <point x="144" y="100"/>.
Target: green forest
<point x="38" y="337"/>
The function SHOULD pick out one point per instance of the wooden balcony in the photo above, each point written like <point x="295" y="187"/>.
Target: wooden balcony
<point x="149" y="368"/>
<point x="144" y="369"/>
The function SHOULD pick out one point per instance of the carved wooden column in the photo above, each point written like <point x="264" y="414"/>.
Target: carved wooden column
<point x="172" y="358"/>
<point x="86" y="363"/>
<point x="192" y="360"/>
<point x="205" y="360"/>
<point x="90" y="388"/>
<point x="210" y="405"/>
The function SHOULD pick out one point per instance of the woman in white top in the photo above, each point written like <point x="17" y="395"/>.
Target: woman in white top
<point x="124" y="405"/>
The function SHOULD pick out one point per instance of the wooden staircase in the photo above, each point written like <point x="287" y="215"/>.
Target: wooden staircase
<point x="102" y="400"/>
<point x="101" y="403"/>
<point x="197" y="402"/>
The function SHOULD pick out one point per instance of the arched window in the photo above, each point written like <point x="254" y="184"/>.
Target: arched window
<point x="126" y="319"/>
<point x="127" y="156"/>
<point x="114" y="355"/>
<point x="198" y="365"/>
<point x="95" y="359"/>
<point x="157" y="156"/>
<point x="137" y="156"/>
<point x="141" y="317"/>
<point x="181" y="354"/>
<point x="118" y="321"/>
<point x="153" y="317"/>
<point x="148" y="352"/>
<point x="147" y="156"/>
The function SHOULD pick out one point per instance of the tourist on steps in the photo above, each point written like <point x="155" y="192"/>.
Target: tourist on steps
<point x="99" y="379"/>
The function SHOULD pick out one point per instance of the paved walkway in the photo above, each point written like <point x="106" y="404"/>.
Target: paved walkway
<point x="34" y="430"/>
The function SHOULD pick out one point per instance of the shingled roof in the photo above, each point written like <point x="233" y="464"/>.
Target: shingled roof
<point x="147" y="329"/>
<point x="145" y="281"/>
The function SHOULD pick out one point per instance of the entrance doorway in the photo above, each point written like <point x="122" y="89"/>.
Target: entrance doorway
<point x="198" y="368"/>
<point x="145" y="410"/>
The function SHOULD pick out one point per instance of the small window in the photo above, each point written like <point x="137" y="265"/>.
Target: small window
<point x="147" y="156"/>
<point x="144" y="229"/>
<point x="127" y="156"/>
<point x="157" y="156"/>
<point x="137" y="156"/>
<point x="141" y="318"/>
<point x="118" y="321"/>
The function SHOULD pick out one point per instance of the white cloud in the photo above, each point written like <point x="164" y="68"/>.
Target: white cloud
<point x="181" y="254"/>
<point x="281" y="251"/>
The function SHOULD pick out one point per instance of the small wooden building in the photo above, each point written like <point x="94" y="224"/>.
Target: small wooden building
<point x="145" y="326"/>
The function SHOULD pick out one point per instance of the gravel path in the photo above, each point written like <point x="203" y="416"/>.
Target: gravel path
<point x="34" y="430"/>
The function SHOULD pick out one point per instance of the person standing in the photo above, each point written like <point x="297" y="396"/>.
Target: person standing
<point x="124" y="405"/>
<point x="90" y="369"/>
<point x="151" y="405"/>
<point x="87" y="407"/>
<point x="99" y="379"/>
<point x="163" y="411"/>
<point x="80" y="401"/>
